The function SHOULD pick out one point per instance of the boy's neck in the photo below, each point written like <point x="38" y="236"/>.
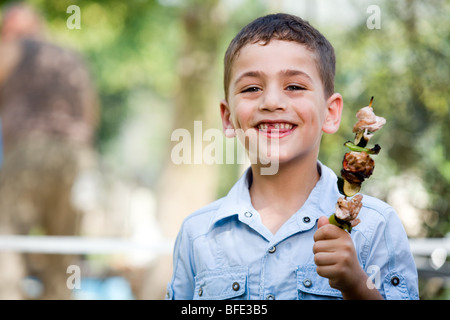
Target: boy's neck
<point x="277" y="197"/>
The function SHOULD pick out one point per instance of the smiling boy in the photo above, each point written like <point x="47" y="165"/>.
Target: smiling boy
<point x="269" y="238"/>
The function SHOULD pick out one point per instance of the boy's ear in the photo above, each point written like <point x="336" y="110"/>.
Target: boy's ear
<point x="228" y="128"/>
<point x="332" y="121"/>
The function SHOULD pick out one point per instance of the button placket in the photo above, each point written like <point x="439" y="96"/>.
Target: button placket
<point x="305" y="221"/>
<point x="395" y="281"/>
<point x="307" y="283"/>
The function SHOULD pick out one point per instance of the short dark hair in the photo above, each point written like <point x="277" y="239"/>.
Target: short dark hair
<point x="282" y="26"/>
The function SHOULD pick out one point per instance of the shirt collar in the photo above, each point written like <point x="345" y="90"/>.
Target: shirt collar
<point x="237" y="201"/>
<point x="322" y="197"/>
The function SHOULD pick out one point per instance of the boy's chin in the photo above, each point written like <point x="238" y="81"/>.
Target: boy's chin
<point x="276" y="157"/>
<point x="271" y="165"/>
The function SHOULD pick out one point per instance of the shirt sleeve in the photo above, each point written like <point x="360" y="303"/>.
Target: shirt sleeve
<point x="390" y="264"/>
<point x="181" y="286"/>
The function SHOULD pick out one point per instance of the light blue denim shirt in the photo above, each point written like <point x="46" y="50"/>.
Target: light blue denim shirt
<point x="223" y="251"/>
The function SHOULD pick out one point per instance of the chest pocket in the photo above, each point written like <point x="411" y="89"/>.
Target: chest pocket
<point x="220" y="284"/>
<point x="311" y="286"/>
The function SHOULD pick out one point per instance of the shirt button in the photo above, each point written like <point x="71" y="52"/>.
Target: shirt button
<point x="270" y="297"/>
<point x="200" y="292"/>
<point x="272" y="249"/>
<point x="395" y="281"/>
<point x="248" y="214"/>
<point x="306" y="219"/>
<point x="235" y="286"/>
<point x="307" y="283"/>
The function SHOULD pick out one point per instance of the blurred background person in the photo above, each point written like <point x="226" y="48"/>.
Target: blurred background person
<point x="49" y="113"/>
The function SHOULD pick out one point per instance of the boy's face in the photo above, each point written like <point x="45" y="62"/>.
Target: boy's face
<point x="276" y="92"/>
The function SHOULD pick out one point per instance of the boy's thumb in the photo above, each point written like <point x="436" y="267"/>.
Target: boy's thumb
<point x="322" y="221"/>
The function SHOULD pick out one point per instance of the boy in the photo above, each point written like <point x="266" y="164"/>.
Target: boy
<point x="269" y="238"/>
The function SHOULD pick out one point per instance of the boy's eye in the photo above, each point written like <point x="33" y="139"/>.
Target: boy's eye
<point x="294" y="87"/>
<point x="251" y="89"/>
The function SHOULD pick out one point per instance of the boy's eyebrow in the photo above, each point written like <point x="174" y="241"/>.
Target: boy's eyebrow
<point x="287" y="72"/>
<point x="294" y="72"/>
<point x="251" y="74"/>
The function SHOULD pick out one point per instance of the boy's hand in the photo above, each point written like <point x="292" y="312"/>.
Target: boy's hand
<point x="336" y="259"/>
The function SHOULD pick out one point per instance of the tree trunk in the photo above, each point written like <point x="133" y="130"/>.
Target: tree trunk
<point x="185" y="188"/>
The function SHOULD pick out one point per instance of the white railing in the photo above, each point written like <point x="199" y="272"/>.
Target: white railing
<point x="426" y="246"/>
<point x="81" y="245"/>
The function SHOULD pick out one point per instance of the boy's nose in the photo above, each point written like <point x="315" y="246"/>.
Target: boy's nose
<point x="273" y="100"/>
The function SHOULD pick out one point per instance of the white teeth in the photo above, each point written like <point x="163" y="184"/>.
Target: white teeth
<point x="277" y="126"/>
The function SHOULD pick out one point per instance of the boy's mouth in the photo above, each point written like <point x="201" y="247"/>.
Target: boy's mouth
<point x="275" y="129"/>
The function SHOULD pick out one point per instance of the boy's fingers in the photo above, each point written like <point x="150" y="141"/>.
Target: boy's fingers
<point x="322" y="221"/>
<point x="327" y="232"/>
<point x="326" y="271"/>
<point x="324" y="258"/>
<point x="329" y="245"/>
